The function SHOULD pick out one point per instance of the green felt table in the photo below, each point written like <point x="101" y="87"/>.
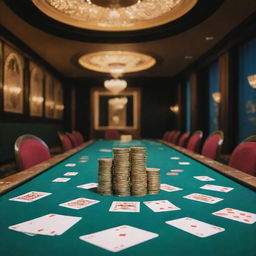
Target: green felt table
<point x="237" y="239"/>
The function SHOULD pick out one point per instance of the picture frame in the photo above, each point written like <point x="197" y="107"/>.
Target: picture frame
<point x="49" y="97"/>
<point x="58" y="99"/>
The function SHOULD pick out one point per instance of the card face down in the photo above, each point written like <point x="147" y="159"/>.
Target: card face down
<point x="118" y="238"/>
<point x="30" y="196"/>
<point x="237" y="215"/>
<point x="195" y="227"/>
<point x="161" y="206"/>
<point x="125" y="206"/>
<point x="79" y="203"/>
<point x="203" y="198"/>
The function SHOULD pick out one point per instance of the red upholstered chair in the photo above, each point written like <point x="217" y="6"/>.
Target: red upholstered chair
<point x="79" y="137"/>
<point x="194" y="141"/>
<point x="183" y="139"/>
<point x="29" y="151"/>
<point x="166" y="135"/>
<point x="73" y="139"/>
<point x="243" y="157"/>
<point x="212" y="145"/>
<point x="65" y="142"/>
<point x="112" y="135"/>
<point x="175" y="137"/>
<point x="171" y="134"/>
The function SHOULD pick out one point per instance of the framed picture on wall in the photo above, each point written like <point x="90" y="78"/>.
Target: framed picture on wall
<point x="58" y="99"/>
<point x="36" y="98"/>
<point x="49" y="97"/>
<point x="13" y="81"/>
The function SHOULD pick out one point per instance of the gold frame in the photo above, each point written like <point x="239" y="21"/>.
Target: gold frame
<point x="49" y="97"/>
<point x="136" y="109"/>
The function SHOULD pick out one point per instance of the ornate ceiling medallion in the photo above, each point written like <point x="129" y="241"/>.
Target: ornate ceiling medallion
<point x="116" y="62"/>
<point x="115" y="15"/>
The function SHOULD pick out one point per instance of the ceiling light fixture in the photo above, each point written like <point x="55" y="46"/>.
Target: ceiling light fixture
<point x="252" y="80"/>
<point x="115" y="85"/>
<point x="115" y="15"/>
<point x="118" y="103"/>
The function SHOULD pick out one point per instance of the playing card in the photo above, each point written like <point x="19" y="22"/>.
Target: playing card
<point x="88" y="185"/>
<point x="204" y="178"/>
<point x="50" y="224"/>
<point x="70" y="165"/>
<point x="176" y="170"/>
<point x="30" y="196"/>
<point x="83" y="161"/>
<point x="237" y="215"/>
<point x="118" y="238"/>
<point x="203" y="198"/>
<point x="79" y="203"/>
<point x="216" y="188"/>
<point x="105" y="150"/>
<point x="125" y="207"/>
<point x="61" y="180"/>
<point x="172" y="173"/>
<point x="175" y="158"/>
<point x="161" y="206"/>
<point x="195" y="227"/>
<point x="70" y="173"/>
<point x="184" y="163"/>
<point x="169" y="188"/>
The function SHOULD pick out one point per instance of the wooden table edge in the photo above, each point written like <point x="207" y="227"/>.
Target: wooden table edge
<point x="234" y="174"/>
<point x="12" y="181"/>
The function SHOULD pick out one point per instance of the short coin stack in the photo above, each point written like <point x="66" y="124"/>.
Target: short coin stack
<point x="153" y="177"/>
<point x="105" y="176"/>
<point x="138" y="171"/>
<point x="121" y="171"/>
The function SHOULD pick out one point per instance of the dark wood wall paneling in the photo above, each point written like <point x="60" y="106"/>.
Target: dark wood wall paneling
<point x="226" y="52"/>
<point x="157" y="95"/>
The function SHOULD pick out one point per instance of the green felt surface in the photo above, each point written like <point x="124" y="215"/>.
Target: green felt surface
<point x="237" y="239"/>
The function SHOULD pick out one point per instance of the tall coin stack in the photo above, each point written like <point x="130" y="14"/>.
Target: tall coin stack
<point x="121" y="171"/>
<point x="153" y="177"/>
<point x="105" y="176"/>
<point x="138" y="171"/>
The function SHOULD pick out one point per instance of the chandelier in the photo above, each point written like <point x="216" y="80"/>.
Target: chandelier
<point x="118" y="103"/>
<point x="115" y="15"/>
<point x="216" y="97"/>
<point x="115" y="85"/>
<point x="252" y="80"/>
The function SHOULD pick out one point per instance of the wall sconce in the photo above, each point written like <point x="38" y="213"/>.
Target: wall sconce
<point x="252" y="81"/>
<point x="175" y="109"/>
<point x="216" y="97"/>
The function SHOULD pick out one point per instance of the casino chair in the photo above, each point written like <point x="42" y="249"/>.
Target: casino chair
<point x="29" y="151"/>
<point x="194" y="141"/>
<point x="212" y="145"/>
<point x="112" y="135"/>
<point x="175" y="137"/>
<point x="170" y="136"/>
<point x="183" y="139"/>
<point x="79" y="137"/>
<point x="65" y="142"/>
<point x="165" y="136"/>
<point x="243" y="156"/>
<point x="73" y="139"/>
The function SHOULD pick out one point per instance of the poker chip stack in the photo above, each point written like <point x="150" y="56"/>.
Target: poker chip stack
<point x="138" y="171"/>
<point x="105" y="176"/>
<point x="121" y="171"/>
<point x="153" y="178"/>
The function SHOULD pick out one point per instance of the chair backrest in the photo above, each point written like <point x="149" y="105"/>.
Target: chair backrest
<point x="175" y="137"/>
<point x="112" y="135"/>
<point x="79" y="137"/>
<point x="183" y="139"/>
<point x="165" y="136"/>
<point x="243" y="156"/>
<point x="194" y="141"/>
<point x="30" y="150"/>
<point x="65" y="142"/>
<point x="73" y="139"/>
<point x="170" y="135"/>
<point x="212" y="145"/>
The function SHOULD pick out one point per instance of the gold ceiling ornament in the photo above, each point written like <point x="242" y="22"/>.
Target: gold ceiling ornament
<point x="116" y="62"/>
<point x="115" y="15"/>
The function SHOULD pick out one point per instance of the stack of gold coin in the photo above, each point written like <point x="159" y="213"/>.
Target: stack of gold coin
<point x="121" y="171"/>
<point x="138" y="171"/>
<point x="105" y="176"/>
<point x="153" y="177"/>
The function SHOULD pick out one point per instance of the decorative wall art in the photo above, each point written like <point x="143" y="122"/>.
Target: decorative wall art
<point x="58" y="99"/>
<point x="49" y="97"/>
